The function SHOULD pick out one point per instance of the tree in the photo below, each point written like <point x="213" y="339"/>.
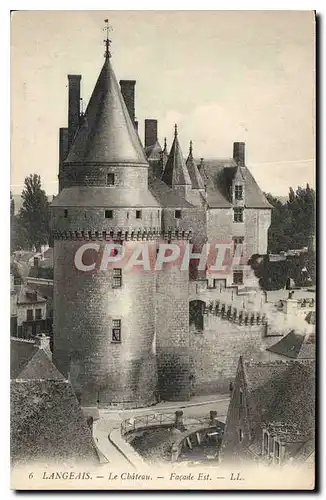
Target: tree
<point x="293" y="223"/>
<point x="34" y="215"/>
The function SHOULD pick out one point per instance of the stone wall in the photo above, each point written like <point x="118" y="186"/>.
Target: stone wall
<point x="215" y="351"/>
<point x="172" y="334"/>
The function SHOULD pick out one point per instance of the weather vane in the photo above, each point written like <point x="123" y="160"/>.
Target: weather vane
<point x="107" y="28"/>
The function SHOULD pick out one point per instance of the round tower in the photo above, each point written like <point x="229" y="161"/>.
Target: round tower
<point x="104" y="318"/>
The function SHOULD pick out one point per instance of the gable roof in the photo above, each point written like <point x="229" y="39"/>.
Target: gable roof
<point x="218" y="175"/>
<point x="107" y="134"/>
<point x="294" y="345"/>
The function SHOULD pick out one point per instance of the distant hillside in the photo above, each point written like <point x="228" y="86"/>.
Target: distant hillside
<point x="19" y="201"/>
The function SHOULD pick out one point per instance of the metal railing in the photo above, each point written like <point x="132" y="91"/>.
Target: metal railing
<point x="154" y="419"/>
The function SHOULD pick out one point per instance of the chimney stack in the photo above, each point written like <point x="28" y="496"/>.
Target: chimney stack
<point x="73" y="106"/>
<point x="128" y="92"/>
<point x="150" y="132"/>
<point x="239" y="153"/>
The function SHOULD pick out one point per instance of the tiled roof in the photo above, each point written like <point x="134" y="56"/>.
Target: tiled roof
<point x="40" y="367"/>
<point x="176" y="172"/>
<point x="293" y="345"/>
<point x="218" y="175"/>
<point x="26" y="295"/>
<point x="165" y="196"/>
<point x="107" y="134"/>
<point x="281" y="392"/>
<point x="91" y="196"/>
<point x="21" y="351"/>
<point x="47" y="424"/>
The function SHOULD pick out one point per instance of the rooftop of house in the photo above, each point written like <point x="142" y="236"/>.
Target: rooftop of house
<point x="295" y="345"/>
<point x="281" y="391"/>
<point x="218" y="175"/>
<point x="21" y="352"/>
<point x="46" y="419"/>
<point x="27" y="295"/>
<point x="47" y="424"/>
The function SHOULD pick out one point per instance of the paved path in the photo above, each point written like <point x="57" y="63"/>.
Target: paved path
<point x="111" y="445"/>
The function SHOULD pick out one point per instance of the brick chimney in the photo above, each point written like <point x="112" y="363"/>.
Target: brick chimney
<point x="150" y="132"/>
<point x="73" y="106"/>
<point x="239" y="153"/>
<point x="128" y="92"/>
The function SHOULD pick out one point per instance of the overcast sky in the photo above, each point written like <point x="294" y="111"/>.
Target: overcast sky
<point x="222" y="76"/>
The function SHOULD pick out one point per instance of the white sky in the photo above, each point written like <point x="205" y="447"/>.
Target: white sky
<point x="223" y="76"/>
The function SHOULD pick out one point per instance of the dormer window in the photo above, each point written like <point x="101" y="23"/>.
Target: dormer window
<point x="110" y="178"/>
<point x="238" y="192"/>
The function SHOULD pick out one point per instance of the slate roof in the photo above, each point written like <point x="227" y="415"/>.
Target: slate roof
<point x="218" y="175"/>
<point x="40" y="367"/>
<point x="281" y="392"/>
<point x="47" y="424"/>
<point x="107" y="134"/>
<point x="26" y="295"/>
<point x="154" y="151"/>
<point x="294" y="345"/>
<point x="21" y="352"/>
<point x="175" y="171"/>
<point x="165" y="196"/>
<point x="91" y="196"/>
<point x="195" y="177"/>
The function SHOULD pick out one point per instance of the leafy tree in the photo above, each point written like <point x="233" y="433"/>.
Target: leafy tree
<point x="293" y="223"/>
<point x="34" y="215"/>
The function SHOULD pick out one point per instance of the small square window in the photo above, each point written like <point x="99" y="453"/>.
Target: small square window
<point x="238" y="192"/>
<point x="116" y="330"/>
<point x="238" y="214"/>
<point x="66" y="213"/>
<point x="238" y="277"/>
<point x="29" y="315"/>
<point x="177" y="214"/>
<point x="110" y="179"/>
<point x="117" y="278"/>
<point x="138" y="214"/>
<point x="108" y="214"/>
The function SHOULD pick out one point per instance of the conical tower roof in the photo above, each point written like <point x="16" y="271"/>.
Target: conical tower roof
<point x="195" y="177"/>
<point x="107" y="134"/>
<point x="175" y="172"/>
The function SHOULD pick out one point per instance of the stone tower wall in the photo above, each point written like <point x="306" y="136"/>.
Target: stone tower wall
<point x="84" y="306"/>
